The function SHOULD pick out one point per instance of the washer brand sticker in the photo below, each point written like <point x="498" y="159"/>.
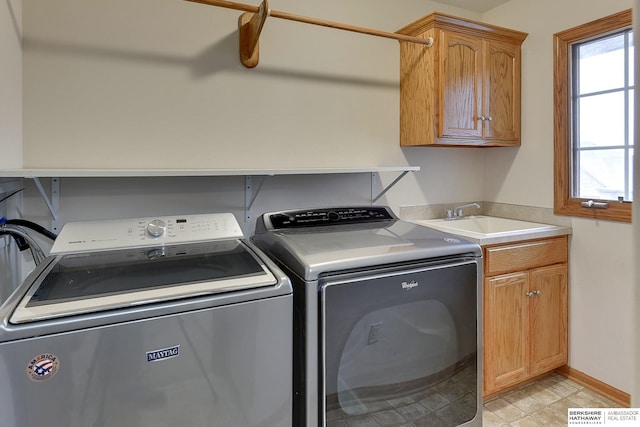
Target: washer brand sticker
<point x="163" y="354"/>
<point x="43" y="367"/>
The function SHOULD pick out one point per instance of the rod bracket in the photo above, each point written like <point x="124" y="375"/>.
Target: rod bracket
<point x="249" y="29"/>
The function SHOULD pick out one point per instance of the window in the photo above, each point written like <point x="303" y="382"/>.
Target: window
<point x="593" y="119"/>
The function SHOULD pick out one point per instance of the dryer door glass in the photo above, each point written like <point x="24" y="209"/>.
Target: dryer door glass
<point x="401" y="347"/>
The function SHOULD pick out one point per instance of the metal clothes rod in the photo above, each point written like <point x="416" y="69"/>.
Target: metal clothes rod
<point x="315" y="21"/>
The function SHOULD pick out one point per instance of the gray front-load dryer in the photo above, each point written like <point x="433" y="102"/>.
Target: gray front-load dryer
<point x="172" y="321"/>
<point x="387" y="316"/>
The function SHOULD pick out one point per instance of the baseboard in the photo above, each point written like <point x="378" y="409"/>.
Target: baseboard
<point x="593" y="384"/>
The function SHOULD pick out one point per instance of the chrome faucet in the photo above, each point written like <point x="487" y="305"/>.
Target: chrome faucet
<point x="458" y="212"/>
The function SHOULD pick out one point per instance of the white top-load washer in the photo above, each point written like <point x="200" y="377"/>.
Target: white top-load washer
<point x="142" y="322"/>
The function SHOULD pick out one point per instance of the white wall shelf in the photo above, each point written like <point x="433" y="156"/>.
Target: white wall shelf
<point x="251" y="192"/>
<point x="124" y="173"/>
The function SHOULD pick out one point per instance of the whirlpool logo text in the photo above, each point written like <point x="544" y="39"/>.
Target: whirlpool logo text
<point x="409" y="285"/>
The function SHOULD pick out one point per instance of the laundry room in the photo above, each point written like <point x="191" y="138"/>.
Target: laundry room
<point x="144" y="109"/>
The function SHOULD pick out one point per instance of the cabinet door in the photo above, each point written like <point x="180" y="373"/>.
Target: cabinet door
<point x="460" y="86"/>
<point x="501" y="92"/>
<point x="506" y="326"/>
<point x="548" y="315"/>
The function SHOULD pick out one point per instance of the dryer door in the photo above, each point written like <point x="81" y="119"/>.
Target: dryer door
<point x="402" y="345"/>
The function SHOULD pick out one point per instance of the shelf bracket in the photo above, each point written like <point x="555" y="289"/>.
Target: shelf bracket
<point x="52" y="203"/>
<point x="250" y="195"/>
<point x="374" y="176"/>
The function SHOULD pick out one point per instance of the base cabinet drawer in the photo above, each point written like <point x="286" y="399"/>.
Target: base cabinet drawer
<point x="524" y="256"/>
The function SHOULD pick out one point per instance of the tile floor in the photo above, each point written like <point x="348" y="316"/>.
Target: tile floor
<point x="447" y="403"/>
<point x="542" y="403"/>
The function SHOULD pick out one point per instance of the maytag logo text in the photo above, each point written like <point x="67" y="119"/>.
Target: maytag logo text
<point x="163" y="354"/>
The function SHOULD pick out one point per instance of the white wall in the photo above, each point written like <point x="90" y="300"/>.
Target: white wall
<point x="158" y="83"/>
<point x="635" y="397"/>
<point x="10" y="84"/>
<point x="601" y="322"/>
<point x="10" y="131"/>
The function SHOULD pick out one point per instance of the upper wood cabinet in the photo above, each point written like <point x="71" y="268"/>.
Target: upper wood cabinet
<point x="465" y="89"/>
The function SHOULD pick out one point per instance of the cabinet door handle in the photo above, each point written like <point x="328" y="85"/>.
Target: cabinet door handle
<point x="483" y="118"/>
<point x="529" y="294"/>
<point x="489" y="118"/>
<point x="537" y="292"/>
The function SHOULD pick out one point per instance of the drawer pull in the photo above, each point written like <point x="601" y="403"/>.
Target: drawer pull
<point x="595" y="205"/>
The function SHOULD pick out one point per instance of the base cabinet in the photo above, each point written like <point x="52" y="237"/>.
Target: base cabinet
<point x="525" y="312"/>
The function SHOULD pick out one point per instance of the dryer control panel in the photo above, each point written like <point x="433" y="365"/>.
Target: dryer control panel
<point x="140" y="232"/>
<point x="328" y="216"/>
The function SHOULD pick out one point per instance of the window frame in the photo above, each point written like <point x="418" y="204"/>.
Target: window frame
<point x="564" y="203"/>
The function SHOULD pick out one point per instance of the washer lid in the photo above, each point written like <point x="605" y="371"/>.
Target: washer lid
<point x="96" y="281"/>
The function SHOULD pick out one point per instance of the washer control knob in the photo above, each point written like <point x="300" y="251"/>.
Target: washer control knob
<point x="156" y="228"/>
<point x="333" y="216"/>
<point x="156" y="253"/>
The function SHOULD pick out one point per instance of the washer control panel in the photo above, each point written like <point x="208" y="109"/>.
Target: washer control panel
<point x="330" y="216"/>
<point x="86" y="236"/>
